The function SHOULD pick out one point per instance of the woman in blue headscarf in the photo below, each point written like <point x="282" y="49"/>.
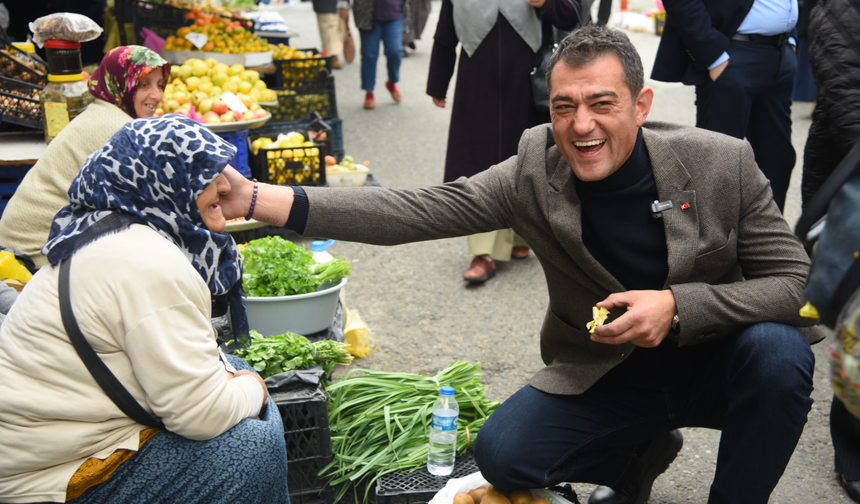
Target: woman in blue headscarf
<point x="144" y="230"/>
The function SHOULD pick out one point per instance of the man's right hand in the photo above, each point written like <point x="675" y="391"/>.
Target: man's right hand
<point x="717" y="70"/>
<point x="439" y="102"/>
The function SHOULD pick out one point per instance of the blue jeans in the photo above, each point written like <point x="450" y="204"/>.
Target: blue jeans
<point x="755" y="387"/>
<point x="752" y="99"/>
<point x="247" y="464"/>
<point x="391" y="35"/>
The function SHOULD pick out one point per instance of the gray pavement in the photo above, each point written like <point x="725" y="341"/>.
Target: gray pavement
<point x="422" y="314"/>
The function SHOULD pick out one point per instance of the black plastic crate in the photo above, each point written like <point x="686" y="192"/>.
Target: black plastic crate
<point x="11" y="67"/>
<point x="336" y="150"/>
<point x="290" y="166"/>
<point x="419" y="484"/>
<point x="307" y="436"/>
<point x="294" y="104"/>
<point x="19" y="103"/>
<point x="165" y="19"/>
<point x="306" y="74"/>
<point x="10" y="178"/>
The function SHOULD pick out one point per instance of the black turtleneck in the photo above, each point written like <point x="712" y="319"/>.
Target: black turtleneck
<point x="617" y="227"/>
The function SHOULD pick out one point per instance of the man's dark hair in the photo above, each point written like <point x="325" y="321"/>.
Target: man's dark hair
<point x="586" y="44"/>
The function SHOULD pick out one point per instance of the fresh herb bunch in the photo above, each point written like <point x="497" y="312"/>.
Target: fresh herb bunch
<point x="380" y="422"/>
<point x="274" y="266"/>
<point x="288" y="351"/>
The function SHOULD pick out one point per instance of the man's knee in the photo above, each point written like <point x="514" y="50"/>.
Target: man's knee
<point x="778" y="354"/>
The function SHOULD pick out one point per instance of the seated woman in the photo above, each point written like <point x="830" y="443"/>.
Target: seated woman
<point x="145" y="230"/>
<point x="125" y="88"/>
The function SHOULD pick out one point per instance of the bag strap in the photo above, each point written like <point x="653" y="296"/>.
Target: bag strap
<point x="102" y="374"/>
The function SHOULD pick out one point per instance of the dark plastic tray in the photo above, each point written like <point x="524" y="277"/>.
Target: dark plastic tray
<point x="420" y="484"/>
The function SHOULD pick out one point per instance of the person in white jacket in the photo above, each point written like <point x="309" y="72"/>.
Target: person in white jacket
<point x="145" y="229"/>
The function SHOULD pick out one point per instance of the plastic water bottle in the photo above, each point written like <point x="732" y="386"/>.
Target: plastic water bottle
<point x="443" y="433"/>
<point x="318" y="248"/>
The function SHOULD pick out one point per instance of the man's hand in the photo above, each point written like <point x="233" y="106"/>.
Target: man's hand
<point x="243" y="372"/>
<point x="439" y="102"/>
<point x="717" y="70"/>
<point x="235" y="203"/>
<point x="537" y="3"/>
<point x="646" y="323"/>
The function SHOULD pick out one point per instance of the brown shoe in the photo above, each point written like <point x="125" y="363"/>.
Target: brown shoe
<point x="520" y="252"/>
<point x="482" y="269"/>
<point x="369" y="102"/>
<point x="336" y="63"/>
<point x="395" y="93"/>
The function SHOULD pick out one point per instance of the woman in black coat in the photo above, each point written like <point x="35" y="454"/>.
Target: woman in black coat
<point x="493" y="96"/>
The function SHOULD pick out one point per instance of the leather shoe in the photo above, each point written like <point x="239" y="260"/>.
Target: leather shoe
<point x="482" y="269"/>
<point x="636" y="486"/>
<point x="369" y="102"/>
<point x="852" y="487"/>
<point x="395" y="93"/>
<point x="519" y="252"/>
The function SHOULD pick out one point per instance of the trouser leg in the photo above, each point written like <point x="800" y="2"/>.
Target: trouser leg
<point x="757" y="391"/>
<point x="822" y="154"/>
<point x="369" y="56"/>
<point x="247" y="464"/>
<point x="845" y="434"/>
<point x="769" y="130"/>
<point x="392" y="39"/>
<point x="535" y="439"/>
<point x="752" y="99"/>
<point x="330" y="33"/>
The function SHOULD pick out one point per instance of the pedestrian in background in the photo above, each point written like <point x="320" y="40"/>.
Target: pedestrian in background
<point x="740" y="56"/>
<point x="331" y="29"/>
<point x="498" y="39"/>
<point x="420" y="10"/>
<point x="835" y="128"/>
<point x="380" y="21"/>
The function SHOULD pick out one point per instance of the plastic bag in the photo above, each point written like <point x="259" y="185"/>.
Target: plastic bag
<point x="475" y="480"/>
<point x="4" y="16"/>
<point x="152" y="40"/>
<point x="64" y="26"/>
<point x="356" y="334"/>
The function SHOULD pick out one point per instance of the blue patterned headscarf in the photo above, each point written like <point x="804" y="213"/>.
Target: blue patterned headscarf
<point x="151" y="172"/>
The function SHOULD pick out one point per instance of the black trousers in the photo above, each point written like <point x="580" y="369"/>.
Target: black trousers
<point x="752" y="99"/>
<point x="754" y="387"/>
<point x="845" y="433"/>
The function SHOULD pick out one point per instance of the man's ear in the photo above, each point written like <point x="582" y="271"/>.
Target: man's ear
<point x="643" y="104"/>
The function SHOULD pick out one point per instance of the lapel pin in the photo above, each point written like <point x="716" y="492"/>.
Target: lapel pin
<point x="685" y="206"/>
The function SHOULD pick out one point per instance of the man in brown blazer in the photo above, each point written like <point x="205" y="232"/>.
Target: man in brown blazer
<point x="673" y="229"/>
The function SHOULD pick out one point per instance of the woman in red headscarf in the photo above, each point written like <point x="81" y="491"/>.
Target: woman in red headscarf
<point x="128" y="84"/>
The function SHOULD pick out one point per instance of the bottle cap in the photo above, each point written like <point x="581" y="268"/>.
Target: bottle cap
<point x="320" y="246"/>
<point x="447" y="391"/>
<point x="27" y="47"/>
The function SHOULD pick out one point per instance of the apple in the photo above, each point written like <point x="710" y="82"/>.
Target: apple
<point x="228" y="117"/>
<point x="180" y="97"/>
<point x="246" y="100"/>
<point x="260" y="84"/>
<point x="219" y="78"/>
<point x="211" y="118"/>
<point x="250" y="76"/>
<point x="171" y="106"/>
<point x="230" y="86"/>
<point x="249" y="116"/>
<point x="200" y="69"/>
<point x="159" y="112"/>
<point x="236" y="69"/>
<point x="187" y="70"/>
<point x="220" y="107"/>
<point x="259" y="113"/>
<point x="192" y="83"/>
<point x="245" y="87"/>
<point x="238" y="116"/>
<point x="205" y="87"/>
<point x="205" y="106"/>
<point x="210" y="62"/>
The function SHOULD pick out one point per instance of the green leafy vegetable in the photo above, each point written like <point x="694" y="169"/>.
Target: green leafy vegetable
<point x="274" y="266"/>
<point x="288" y="351"/>
<point x="380" y="422"/>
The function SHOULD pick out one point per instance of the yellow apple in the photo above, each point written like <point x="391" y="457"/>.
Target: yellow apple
<point x="228" y="117"/>
<point x="230" y="86"/>
<point x="236" y="69"/>
<point x="192" y="83"/>
<point x="205" y="87"/>
<point x="205" y="106"/>
<point x="245" y="87"/>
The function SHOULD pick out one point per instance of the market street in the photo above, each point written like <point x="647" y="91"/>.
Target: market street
<point x="423" y="315"/>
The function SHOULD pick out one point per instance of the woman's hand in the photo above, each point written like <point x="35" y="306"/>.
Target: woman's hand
<point x="237" y="201"/>
<point x="439" y="102"/>
<point x="244" y="372"/>
<point x="537" y="3"/>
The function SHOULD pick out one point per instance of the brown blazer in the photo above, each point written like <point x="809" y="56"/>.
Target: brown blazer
<point x="733" y="260"/>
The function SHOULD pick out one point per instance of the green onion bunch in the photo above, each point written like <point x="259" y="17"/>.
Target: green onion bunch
<point x="380" y="422"/>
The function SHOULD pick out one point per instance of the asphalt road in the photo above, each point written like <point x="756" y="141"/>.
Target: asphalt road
<point x="422" y="314"/>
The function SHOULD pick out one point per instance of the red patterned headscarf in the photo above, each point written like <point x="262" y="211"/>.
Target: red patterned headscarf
<point x="121" y="70"/>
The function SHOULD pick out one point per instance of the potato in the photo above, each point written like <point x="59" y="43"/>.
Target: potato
<point x="540" y="501"/>
<point x="521" y="497"/>
<point x="478" y="494"/>
<point x="463" y="498"/>
<point x="492" y="489"/>
<point x="495" y="498"/>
